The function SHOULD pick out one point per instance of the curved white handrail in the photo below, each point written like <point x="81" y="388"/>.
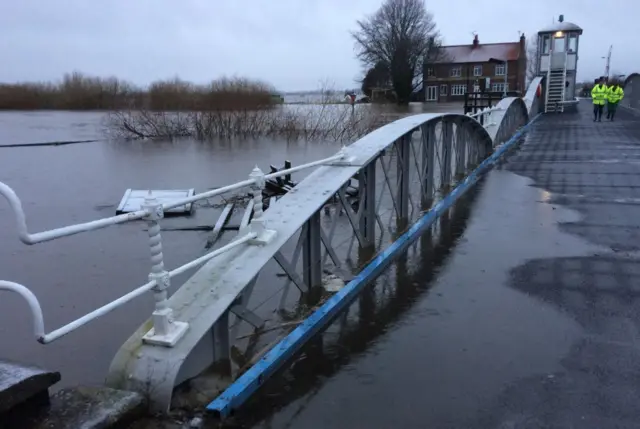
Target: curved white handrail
<point x="32" y="302"/>
<point x="532" y="93"/>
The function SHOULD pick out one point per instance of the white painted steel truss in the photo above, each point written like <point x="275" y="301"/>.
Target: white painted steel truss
<point x="353" y="204"/>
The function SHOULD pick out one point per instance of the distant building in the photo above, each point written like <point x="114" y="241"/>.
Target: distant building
<point x="474" y="68"/>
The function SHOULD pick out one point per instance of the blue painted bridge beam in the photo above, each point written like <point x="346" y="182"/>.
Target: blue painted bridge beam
<point x="236" y="394"/>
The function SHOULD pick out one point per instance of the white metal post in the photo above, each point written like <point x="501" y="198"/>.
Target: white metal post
<point x="258" y="225"/>
<point x="166" y="331"/>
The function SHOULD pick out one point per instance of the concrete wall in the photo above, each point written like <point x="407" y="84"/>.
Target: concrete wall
<point x="632" y="91"/>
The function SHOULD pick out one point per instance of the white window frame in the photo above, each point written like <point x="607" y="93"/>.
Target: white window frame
<point x="455" y="72"/>
<point x="435" y="93"/>
<point x="443" y="90"/>
<point x="572" y="44"/>
<point x="460" y="89"/>
<point x="500" y="70"/>
<point x="499" y="87"/>
<point x="546" y="44"/>
<point x="430" y="72"/>
<point x="476" y="88"/>
<point x="477" y="70"/>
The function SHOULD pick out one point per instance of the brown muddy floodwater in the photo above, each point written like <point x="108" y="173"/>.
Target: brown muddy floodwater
<point x="430" y="353"/>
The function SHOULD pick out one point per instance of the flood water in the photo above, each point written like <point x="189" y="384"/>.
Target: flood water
<point x="62" y="185"/>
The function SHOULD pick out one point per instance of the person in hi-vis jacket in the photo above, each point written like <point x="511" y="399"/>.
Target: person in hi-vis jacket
<point x="615" y="94"/>
<point x="599" y="97"/>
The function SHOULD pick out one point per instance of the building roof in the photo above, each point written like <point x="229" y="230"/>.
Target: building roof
<point x="561" y="26"/>
<point x="481" y="53"/>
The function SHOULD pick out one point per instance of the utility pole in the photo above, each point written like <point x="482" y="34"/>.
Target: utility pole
<point x="608" y="63"/>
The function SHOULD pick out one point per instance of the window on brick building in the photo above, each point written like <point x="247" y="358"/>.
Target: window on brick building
<point x="500" y="69"/>
<point x="456" y="71"/>
<point x="477" y="70"/>
<point x="443" y="89"/>
<point x="499" y="87"/>
<point x="458" y="89"/>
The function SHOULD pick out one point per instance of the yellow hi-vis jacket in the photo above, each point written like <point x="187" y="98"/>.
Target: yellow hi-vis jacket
<point x="599" y="94"/>
<point x="615" y="94"/>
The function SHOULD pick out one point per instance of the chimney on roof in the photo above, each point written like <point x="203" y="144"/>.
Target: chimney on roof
<point x="476" y="41"/>
<point x="523" y="43"/>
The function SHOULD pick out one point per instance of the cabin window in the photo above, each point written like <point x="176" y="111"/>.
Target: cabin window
<point x="573" y="44"/>
<point x="546" y="45"/>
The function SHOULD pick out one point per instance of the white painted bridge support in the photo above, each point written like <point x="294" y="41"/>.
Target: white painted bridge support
<point x="403" y="150"/>
<point x="367" y="193"/>
<point x="428" y="152"/>
<point x="308" y="232"/>
<point x="312" y="253"/>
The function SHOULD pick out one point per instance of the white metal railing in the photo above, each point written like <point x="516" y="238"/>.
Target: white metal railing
<point x="486" y="112"/>
<point x="165" y="331"/>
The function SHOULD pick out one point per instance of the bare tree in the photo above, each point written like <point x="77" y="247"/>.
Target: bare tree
<point x="400" y="36"/>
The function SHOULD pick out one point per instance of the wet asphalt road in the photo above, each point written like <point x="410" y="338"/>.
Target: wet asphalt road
<point x="531" y="320"/>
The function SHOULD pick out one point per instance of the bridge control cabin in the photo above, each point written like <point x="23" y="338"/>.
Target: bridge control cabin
<point x="557" y="61"/>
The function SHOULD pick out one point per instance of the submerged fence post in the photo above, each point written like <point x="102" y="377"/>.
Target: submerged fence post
<point x="166" y="331"/>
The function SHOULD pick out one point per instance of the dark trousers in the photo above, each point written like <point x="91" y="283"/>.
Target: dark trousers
<point x="597" y="111"/>
<point x="611" y="110"/>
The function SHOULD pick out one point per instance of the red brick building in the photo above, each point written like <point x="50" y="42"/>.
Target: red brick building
<point x="475" y="67"/>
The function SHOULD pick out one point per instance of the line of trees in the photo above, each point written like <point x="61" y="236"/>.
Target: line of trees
<point x="77" y="91"/>
<point x="394" y="43"/>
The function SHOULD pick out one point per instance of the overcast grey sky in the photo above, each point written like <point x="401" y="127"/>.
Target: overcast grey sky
<point x="293" y="44"/>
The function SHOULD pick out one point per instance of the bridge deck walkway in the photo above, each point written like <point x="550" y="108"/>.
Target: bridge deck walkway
<point x="533" y="319"/>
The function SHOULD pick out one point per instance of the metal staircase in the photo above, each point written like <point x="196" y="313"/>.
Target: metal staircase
<point x="556" y="78"/>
